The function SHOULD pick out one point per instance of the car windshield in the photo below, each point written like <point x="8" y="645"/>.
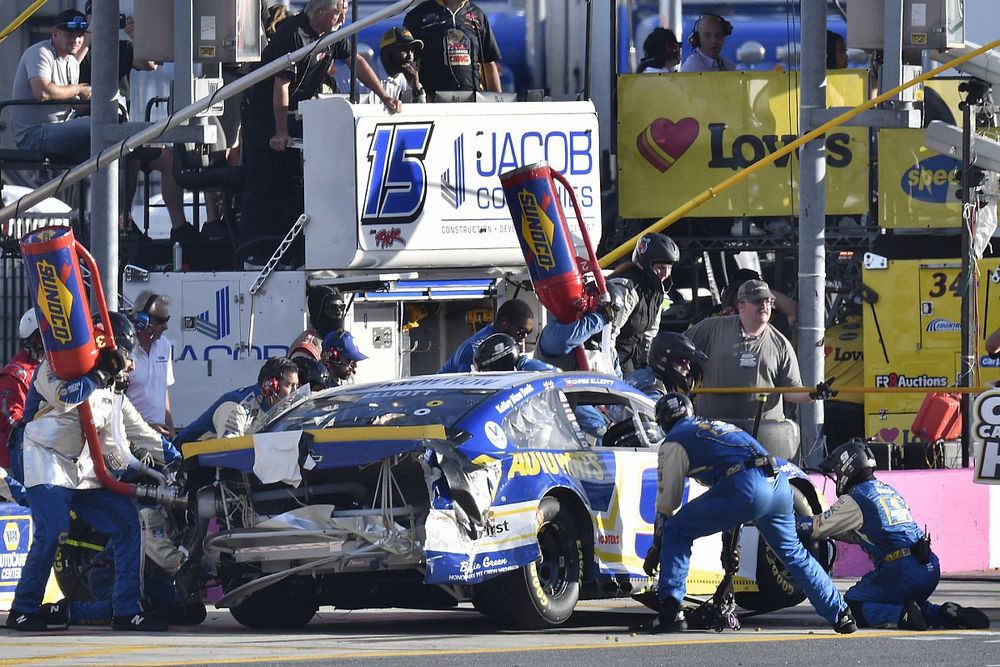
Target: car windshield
<point x="394" y="407"/>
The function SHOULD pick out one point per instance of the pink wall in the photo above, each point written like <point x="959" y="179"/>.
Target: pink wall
<point x="954" y="510"/>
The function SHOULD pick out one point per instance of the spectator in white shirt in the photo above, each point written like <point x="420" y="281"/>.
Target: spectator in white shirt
<point x="707" y="39"/>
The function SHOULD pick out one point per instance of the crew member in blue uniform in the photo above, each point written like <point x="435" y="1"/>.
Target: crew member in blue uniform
<point x="875" y="516"/>
<point x="500" y="352"/>
<point x="744" y="485"/>
<point x="514" y="318"/>
<point x="240" y="411"/>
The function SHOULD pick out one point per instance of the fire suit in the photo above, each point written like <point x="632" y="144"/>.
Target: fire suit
<point x="875" y="516"/>
<point x="235" y="413"/>
<point x="741" y="489"/>
<point x="60" y="478"/>
<point x="461" y="360"/>
<point x="15" y="379"/>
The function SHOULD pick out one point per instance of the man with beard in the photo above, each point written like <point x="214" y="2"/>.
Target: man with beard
<point x="398" y="55"/>
<point x="341" y="356"/>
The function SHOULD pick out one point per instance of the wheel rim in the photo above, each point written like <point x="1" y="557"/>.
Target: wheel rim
<point x="553" y="570"/>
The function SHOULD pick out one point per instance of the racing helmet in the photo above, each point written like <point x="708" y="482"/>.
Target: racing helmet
<point x="655" y="249"/>
<point x="496" y="352"/>
<point x="851" y="463"/>
<point x="123" y="330"/>
<point x="312" y="373"/>
<point x="666" y="350"/>
<point x="30" y="336"/>
<point x="671" y="408"/>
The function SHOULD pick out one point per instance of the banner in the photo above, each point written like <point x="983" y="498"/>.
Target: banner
<point x="917" y="186"/>
<point x="680" y="134"/>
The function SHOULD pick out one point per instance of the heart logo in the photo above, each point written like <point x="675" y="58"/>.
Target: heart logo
<point x="663" y="141"/>
<point x="888" y="435"/>
<point x="827" y="350"/>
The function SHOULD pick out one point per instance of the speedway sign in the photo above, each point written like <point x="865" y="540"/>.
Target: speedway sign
<point x="421" y="188"/>
<point x="680" y="134"/>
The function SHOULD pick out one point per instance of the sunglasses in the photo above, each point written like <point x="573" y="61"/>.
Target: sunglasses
<point x="159" y="320"/>
<point x="520" y="333"/>
<point x="761" y="302"/>
<point x="74" y="25"/>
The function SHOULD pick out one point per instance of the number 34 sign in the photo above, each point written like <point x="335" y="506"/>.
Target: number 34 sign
<point x="986" y="427"/>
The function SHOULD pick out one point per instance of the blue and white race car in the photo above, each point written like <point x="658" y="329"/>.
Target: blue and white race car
<point x="522" y="492"/>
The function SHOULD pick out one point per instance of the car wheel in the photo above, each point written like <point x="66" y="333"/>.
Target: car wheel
<point x="277" y="607"/>
<point x="544" y="593"/>
<point x="74" y="557"/>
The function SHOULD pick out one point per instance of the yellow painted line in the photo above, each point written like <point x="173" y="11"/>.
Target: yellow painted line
<point x="217" y="445"/>
<point x="709" y="639"/>
<point x="365" y="433"/>
<point x="48" y="659"/>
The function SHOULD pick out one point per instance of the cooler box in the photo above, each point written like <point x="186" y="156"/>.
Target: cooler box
<point x="939" y="418"/>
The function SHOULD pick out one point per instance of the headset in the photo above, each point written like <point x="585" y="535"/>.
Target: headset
<point x="695" y="40"/>
<point x="332" y="355"/>
<point x="269" y="387"/>
<point x="141" y="318"/>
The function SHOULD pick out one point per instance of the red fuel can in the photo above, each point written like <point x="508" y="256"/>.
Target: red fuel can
<point x="939" y="418"/>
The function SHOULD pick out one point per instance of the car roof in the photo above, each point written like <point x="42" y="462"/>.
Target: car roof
<point x="489" y="381"/>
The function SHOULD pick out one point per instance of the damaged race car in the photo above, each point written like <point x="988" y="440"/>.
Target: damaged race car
<point x="520" y="492"/>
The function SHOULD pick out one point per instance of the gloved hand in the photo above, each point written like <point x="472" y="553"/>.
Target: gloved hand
<point x="823" y="390"/>
<point x="652" y="561"/>
<point x="804" y="528"/>
<point x="609" y="310"/>
<point x="109" y="364"/>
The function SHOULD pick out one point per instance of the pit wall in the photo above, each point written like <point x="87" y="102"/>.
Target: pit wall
<point x="963" y="519"/>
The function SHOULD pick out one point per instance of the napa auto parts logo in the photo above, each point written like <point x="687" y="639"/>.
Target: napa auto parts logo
<point x="55" y="301"/>
<point x="897" y="380"/>
<point x="931" y="180"/>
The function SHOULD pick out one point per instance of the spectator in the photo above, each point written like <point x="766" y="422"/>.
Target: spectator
<point x="49" y="71"/>
<point x="146" y="157"/>
<point x="60" y="477"/>
<point x="514" y="318"/>
<point x="836" y="51"/>
<point x="326" y="314"/>
<point x="397" y="52"/>
<point x="706" y="40"/>
<point x="744" y="350"/>
<point x="341" y="356"/>
<point x="661" y="52"/>
<point x="460" y="51"/>
<point x="272" y="196"/>
<point x="786" y="309"/>
<point x="241" y="411"/>
<point x="638" y="292"/>
<point x="149" y="383"/>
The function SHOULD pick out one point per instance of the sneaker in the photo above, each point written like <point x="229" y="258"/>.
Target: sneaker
<point x="185" y="233"/>
<point x="19" y="620"/>
<point x="54" y="613"/>
<point x="912" y="618"/>
<point x="845" y="624"/>
<point x="138" y="622"/>
<point x="670" y="619"/>
<point x="957" y="616"/>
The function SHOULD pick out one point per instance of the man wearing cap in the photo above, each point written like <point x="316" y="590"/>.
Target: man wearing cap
<point x="460" y="51"/>
<point x="49" y="71"/>
<point x="398" y="50"/>
<point x="745" y="350"/>
<point x="341" y="356"/>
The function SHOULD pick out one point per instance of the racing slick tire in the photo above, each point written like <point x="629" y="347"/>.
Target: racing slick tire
<point x="276" y="607"/>
<point x="544" y="593"/>
<point x="74" y="559"/>
<point x="776" y="588"/>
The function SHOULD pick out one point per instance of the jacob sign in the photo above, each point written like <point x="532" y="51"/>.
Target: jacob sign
<point x="986" y="426"/>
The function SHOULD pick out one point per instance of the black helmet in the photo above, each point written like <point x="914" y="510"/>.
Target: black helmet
<point x="852" y="463"/>
<point x="496" y="352"/>
<point x="326" y="309"/>
<point x="123" y="330"/>
<point x="655" y="249"/>
<point x="312" y="373"/>
<point x="669" y="348"/>
<point x="671" y="408"/>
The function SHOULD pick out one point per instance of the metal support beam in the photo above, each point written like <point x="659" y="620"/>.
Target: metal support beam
<point x="812" y="225"/>
<point x="104" y="115"/>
